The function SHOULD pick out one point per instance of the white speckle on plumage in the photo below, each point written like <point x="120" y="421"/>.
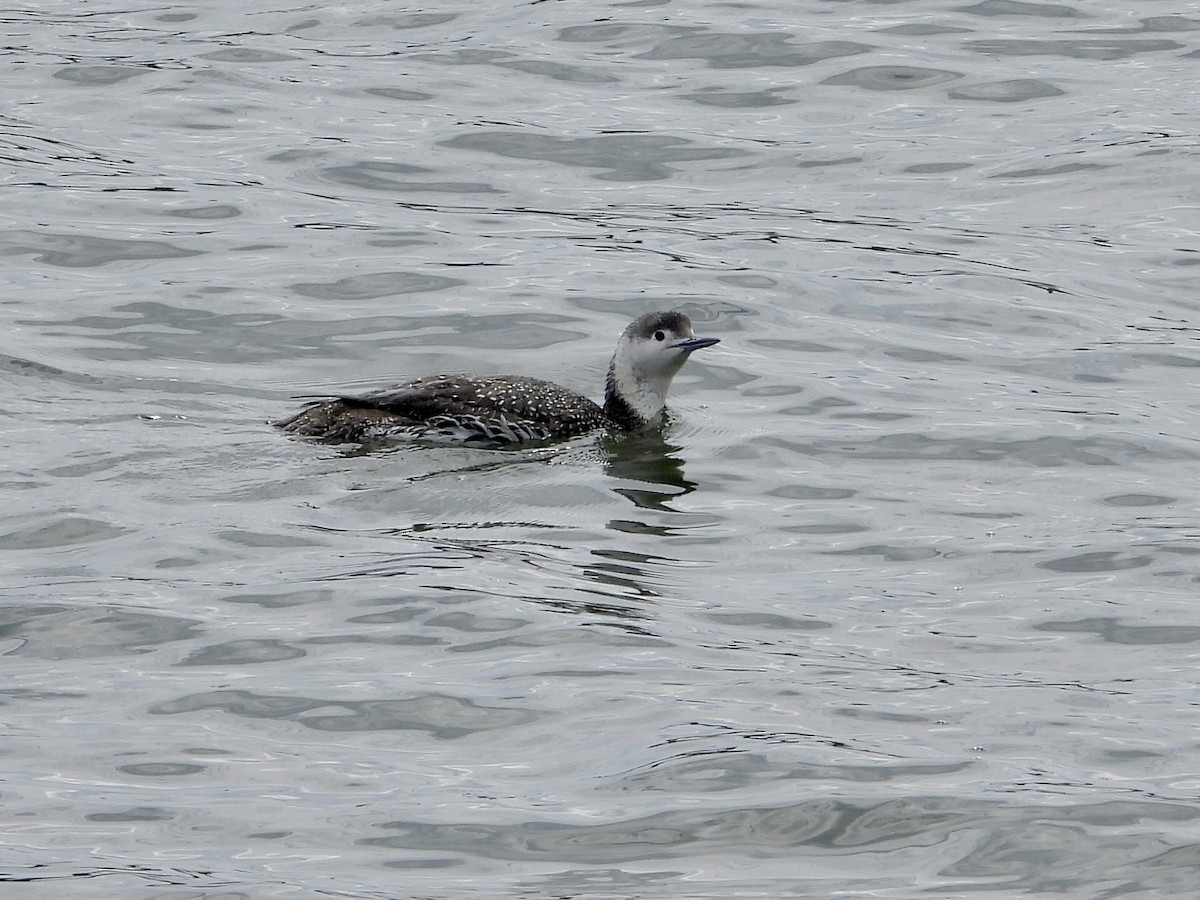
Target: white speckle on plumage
<point x="505" y="410"/>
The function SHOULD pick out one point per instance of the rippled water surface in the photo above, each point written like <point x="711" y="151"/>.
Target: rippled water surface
<point x="902" y="601"/>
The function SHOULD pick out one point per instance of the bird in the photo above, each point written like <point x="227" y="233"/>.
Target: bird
<point x="506" y="411"/>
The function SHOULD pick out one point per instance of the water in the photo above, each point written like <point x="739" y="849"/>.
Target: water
<point x="901" y="603"/>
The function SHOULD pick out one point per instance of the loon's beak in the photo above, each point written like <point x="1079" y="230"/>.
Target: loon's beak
<point x="696" y="343"/>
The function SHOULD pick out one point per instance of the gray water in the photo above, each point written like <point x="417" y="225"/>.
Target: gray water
<point x="902" y="601"/>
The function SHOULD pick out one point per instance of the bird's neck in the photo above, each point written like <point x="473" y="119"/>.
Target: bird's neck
<point x="632" y="402"/>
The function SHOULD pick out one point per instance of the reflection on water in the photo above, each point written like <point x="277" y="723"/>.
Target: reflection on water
<point x="647" y="458"/>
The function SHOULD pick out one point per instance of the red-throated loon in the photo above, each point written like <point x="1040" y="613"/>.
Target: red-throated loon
<point x="508" y="410"/>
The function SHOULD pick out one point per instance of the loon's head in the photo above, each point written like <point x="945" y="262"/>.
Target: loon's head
<point x="651" y="350"/>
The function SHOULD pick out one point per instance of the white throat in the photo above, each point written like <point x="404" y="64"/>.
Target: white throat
<point x="643" y="389"/>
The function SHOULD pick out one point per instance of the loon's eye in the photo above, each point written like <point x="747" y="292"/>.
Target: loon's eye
<point x="659" y="336"/>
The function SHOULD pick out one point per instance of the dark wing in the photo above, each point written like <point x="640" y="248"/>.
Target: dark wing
<point x="415" y="401"/>
<point x="515" y="397"/>
<point x="502" y="409"/>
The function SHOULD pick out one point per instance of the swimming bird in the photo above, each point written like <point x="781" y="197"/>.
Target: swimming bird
<point x="509" y="410"/>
